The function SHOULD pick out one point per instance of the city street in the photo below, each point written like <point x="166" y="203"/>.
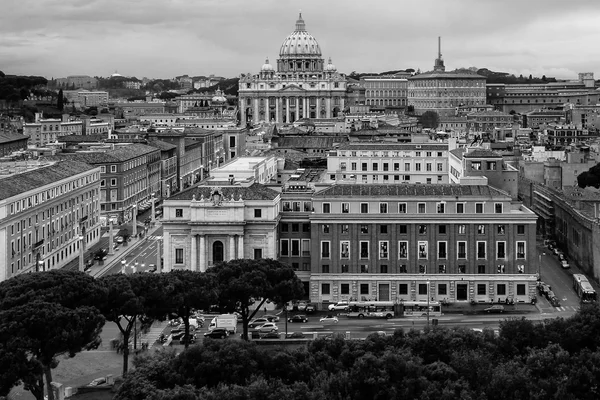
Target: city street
<point x="561" y="281"/>
<point x="145" y="254"/>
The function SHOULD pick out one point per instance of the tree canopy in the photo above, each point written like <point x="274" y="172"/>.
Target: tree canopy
<point x="439" y="363"/>
<point x="590" y="177"/>
<point x="44" y="315"/>
<point x="430" y="119"/>
<point x="240" y="284"/>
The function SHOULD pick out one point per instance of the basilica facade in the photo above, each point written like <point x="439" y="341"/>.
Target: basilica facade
<point x="301" y="86"/>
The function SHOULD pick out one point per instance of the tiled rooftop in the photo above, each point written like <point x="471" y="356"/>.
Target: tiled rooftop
<point x="119" y="154"/>
<point x="311" y="142"/>
<point x="7" y="137"/>
<point x="254" y="192"/>
<point x="20" y="183"/>
<point x="408" y="190"/>
<point x="163" y="146"/>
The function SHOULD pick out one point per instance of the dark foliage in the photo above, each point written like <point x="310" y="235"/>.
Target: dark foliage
<point x="590" y="177"/>
<point x="556" y="359"/>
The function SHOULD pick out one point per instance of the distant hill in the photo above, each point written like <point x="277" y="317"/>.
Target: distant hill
<point x="228" y="86"/>
<point x="505" y="77"/>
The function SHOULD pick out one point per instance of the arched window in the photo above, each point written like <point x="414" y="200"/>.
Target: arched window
<point x="217" y="252"/>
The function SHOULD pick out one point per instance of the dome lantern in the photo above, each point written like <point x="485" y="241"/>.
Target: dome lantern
<point x="266" y="66"/>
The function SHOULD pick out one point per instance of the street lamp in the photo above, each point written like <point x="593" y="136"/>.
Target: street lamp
<point x="428" y="302"/>
<point x="123" y="264"/>
<point x="80" y="238"/>
<point x="134" y="213"/>
<point x="153" y="210"/>
<point x="135" y="267"/>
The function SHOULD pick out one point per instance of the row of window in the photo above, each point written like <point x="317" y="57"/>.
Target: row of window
<point x="403" y="208"/>
<point x="385" y="178"/>
<point x="441" y="289"/>
<point x="49" y="194"/>
<point x="390" y="153"/>
<point x="386" y="166"/>
<point x="403" y="269"/>
<point x="179" y="213"/>
<point x="294" y="247"/>
<point x="364" y="250"/>
<point x="421" y="229"/>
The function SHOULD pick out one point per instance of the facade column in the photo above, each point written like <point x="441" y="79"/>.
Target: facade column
<point x="167" y="251"/>
<point x="306" y="104"/>
<point x="202" y="253"/>
<point x="276" y="109"/>
<point x="318" y="112"/>
<point x="242" y="106"/>
<point x="231" y="247"/>
<point x="328" y="107"/>
<point x="287" y="110"/>
<point x="194" y="253"/>
<point x="297" y="108"/>
<point x="240" y="246"/>
<point x="256" y="115"/>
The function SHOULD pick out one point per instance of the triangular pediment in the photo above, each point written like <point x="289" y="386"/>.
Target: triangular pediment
<point x="292" y="88"/>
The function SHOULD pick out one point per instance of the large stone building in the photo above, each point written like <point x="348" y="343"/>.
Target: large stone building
<point x="44" y="208"/>
<point x="523" y="98"/>
<point x="388" y="242"/>
<point x="383" y="91"/>
<point x="206" y="225"/>
<point x="49" y="130"/>
<point x="444" y="91"/>
<point x="388" y="163"/>
<point x="301" y="86"/>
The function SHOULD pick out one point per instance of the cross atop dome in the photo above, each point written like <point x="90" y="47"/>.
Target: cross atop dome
<point x="300" y="26"/>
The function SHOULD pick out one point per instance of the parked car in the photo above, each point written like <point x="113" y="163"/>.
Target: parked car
<point x="217" y="333"/>
<point x="270" y="335"/>
<point x="301" y="306"/>
<point x="339" y="306"/>
<point x="271" y="318"/>
<point x="268" y="327"/>
<point x="298" y="318"/>
<point x="310" y="308"/>
<point x="295" y="335"/>
<point x="152" y="268"/>
<point x="565" y="264"/>
<point x="119" y="239"/>
<point x="329" y="319"/>
<point x="97" y="382"/>
<point x="257" y="322"/>
<point x="495" y="309"/>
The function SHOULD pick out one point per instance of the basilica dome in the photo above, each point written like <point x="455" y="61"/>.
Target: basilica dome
<point x="300" y="43"/>
<point x="266" y="66"/>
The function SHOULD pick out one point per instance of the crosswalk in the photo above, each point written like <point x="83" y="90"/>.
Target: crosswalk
<point x="155" y="237"/>
<point x="567" y="308"/>
<point x="152" y="335"/>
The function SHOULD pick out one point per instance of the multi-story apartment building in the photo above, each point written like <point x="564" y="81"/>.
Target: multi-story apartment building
<point x="48" y="130"/>
<point x="168" y="167"/>
<point x="206" y="225"/>
<point x="130" y="174"/>
<point x="563" y="135"/>
<point x="467" y="164"/>
<point x="294" y="226"/>
<point x="86" y="98"/>
<point x="586" y="116"/>
<point x="386" y="90"/>
<point x="387" y="163"/>
<point x="302" y="85"/>
<point x="258" y="169"/>
<point x="443" y="92"/>
<point x="487" y="121"/>
<point x="44" y="208"/>
<point x="97" y="126"/>
<point x="538" y="118"/>
<point x="390" y="242"/>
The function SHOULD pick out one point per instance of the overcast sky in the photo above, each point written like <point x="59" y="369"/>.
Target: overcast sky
<point x="166" y="38"/>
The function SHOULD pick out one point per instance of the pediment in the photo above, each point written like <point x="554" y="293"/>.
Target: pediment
<point x="292" y="88"/>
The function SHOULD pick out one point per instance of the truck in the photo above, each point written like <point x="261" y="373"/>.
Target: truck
<point x="227" y="321"/>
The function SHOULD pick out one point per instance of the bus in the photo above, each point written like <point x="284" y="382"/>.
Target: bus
<point x="371" y="309"/>
<point x="583" y="288"/>
<point x="419" y="308"/>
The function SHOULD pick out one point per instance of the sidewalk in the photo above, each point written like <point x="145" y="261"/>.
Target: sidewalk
<point x="98" y="270"/>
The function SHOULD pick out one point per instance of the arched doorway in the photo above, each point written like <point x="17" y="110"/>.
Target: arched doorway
<point x="217" y="252"/>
